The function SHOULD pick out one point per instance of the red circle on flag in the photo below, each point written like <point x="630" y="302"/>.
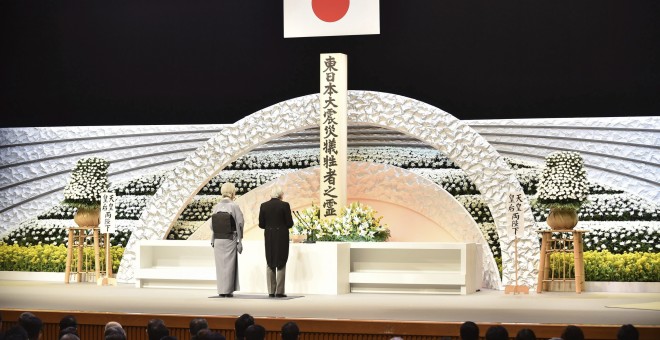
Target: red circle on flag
<point x="330" y="10"/>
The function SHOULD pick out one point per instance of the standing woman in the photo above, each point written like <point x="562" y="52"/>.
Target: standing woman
<point x="227" y="227"/>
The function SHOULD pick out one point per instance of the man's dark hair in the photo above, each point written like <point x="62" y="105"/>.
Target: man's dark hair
<point x="156" y="329"/>
<point x="68" y="321"/>
<point x="196" y="325"/>
<point x="16" y="333"/>
<point x="525" y="334"/>
<point x="242" y="323"/>
<point x="497" y="333"/>
<point x="255" y="332"/>
<point x="32" y="325"/>
<point x="469" y="331"/>
<point x="290" y="331"/>
<point x="572" y="332"/>
<point x="169" y="337"/>
<point x="627" y="332"/>
<point x="68" y="330"/>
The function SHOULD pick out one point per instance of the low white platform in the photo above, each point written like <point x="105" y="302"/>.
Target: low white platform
<point x="191" y="264"/>
<point x="415" y="267"/>
<point x="322" y="268"/>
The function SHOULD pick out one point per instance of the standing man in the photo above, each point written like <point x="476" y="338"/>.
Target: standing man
<point x="275" y="218"/>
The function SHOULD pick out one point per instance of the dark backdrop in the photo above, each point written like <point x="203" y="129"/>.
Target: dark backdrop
<point x="188" y="62"/>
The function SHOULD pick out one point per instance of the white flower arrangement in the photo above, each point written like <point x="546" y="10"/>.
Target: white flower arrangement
<point x="130" y="207"/>
<point x="355" y="223"/>
<point x="145" y="185"/>
<point x="622" y="237"/>
<point x="88" y="180"/>
<point x="489" y="230"/>
<point x="610" y="207"/>
<point x="563" y="183"/>
<point x="405" y="157"/>
<point x="58" y="212"/>
<point x="181" y="230"/>
<point x="200" y="209"/>
<point x="476" y="207"/>
<point x="617" y="237"/>
<point x="454" y="181"/>
<point x="604" y="206"/>
<point x="244" y="180"/>
<point x="34" y="232"/>
<point x="619" y="207"/>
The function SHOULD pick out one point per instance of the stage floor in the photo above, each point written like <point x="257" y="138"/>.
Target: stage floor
<point x="483" y="306"/>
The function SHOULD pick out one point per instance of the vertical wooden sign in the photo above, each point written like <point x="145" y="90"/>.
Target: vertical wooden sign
<point x="333" y="100"/>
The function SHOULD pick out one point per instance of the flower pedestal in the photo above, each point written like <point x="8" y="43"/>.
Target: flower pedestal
<point x="551" y="274"/>
<point x="78" y="239"/>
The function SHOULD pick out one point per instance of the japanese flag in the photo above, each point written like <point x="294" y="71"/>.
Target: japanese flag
<point x="318" y="18"/>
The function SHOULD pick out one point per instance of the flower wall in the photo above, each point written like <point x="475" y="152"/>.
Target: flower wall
<point x="618" y="223"/>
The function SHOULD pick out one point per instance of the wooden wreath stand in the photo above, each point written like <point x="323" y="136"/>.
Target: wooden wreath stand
<point x="549" y="246"/>
<point x="77" y="240"/>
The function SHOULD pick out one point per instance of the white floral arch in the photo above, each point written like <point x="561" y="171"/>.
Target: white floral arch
<point x="460" y="143"/>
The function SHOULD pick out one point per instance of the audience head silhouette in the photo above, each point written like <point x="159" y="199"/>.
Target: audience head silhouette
<point x="68" y="321"/>
<point x="156" y="329"/>
<point x="627" y="332"/>
<point x="526" y="334"/>
<point x="69" y="336"/>
<point x="242" y="323"/>
<point x="32" y="325"/>
<point x="196" y="325"/>
<point x="290" y="331"/>
<point x="255" y="332"/>
<point x="16" y="333"/>
<point x="67" y="331"/>
<point x="469" y="331"/>
<point x="207" y="334"/>
<point x="572" y="333"/>
<point x="497" y="333"/>
<point x="114" y="331"/>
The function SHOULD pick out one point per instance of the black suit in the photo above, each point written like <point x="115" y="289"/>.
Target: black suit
<point x="275" y="218"/>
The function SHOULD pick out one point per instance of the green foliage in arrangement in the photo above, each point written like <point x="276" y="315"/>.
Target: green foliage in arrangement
<point x="605" y="266"/>
<point x="355" y="223"/>
<point x="49" y="258"/>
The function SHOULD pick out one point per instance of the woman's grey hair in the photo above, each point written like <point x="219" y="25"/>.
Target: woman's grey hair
<point x="276" y="192"/>
<point x="228" y="190"/>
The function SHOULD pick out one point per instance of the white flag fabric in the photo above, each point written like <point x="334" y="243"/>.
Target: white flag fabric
<point x="319" y="18"/>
